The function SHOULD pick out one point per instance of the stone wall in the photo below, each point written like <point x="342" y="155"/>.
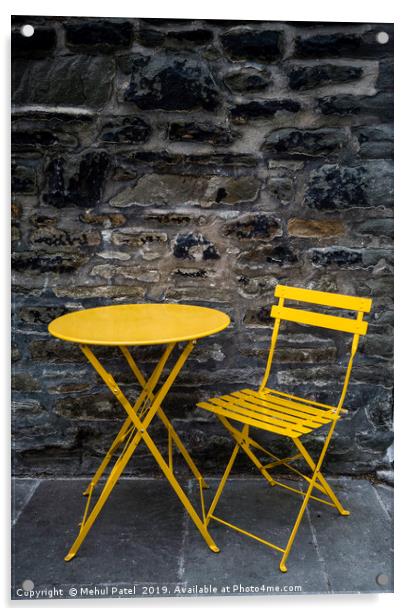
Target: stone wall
<point x="199" y="162"/>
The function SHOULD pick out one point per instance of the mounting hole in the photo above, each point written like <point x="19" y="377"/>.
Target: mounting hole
<point x="27" y="30"/>
<point x="382" y="579"/>
<point x="28" y="585"/>
<point x="382" y="38"/>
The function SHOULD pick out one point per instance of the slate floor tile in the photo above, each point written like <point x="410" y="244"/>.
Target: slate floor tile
<point x="137" y="537"/>
<point x="265" y="511"/>
<point x="358" y="548"/>
<point x="21" y="492"/>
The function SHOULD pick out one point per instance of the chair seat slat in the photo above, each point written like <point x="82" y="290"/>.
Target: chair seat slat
<point x="226" y="412"/>
<point x="281" y="411"/>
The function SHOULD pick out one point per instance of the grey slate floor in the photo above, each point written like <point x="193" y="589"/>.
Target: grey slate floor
<point x="144" y="543"/>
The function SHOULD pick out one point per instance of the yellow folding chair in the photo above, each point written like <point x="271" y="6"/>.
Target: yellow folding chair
<point x="285" y="414"/>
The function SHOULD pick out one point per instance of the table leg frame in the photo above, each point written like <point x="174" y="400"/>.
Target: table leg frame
<point x="134" y="429"/>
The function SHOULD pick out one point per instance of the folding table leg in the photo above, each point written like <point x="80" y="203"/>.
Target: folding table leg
<point x="108" y="487"/>
<point x="106" y="460"/>
<point x="140" y="426"/>
<point x="163" y="417"/>
<point x="202" y="527"/>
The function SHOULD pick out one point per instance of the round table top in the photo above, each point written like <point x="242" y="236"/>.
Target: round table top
<point x="138" y="324"/>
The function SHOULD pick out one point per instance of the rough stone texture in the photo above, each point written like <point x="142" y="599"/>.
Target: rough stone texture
<point x="174" y="84"/>
<point x="199" y="162"/>
<point x="257" y="45"/>
<point x="308" y="77"/>
<point x="294" y="143"/>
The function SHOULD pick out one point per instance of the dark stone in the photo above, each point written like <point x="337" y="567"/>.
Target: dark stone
<point x="24" y="382"/>
<point x="248" y="80"/>
<point x="150" y="38"/>
<point x="208" y="133"/>
<point x="98" y="406"/>
<point x="380" y="105"/>
<point x="258" y="226"/>
<point x="41" y="44"/>
<point x="297" y="143"/>
<point x="307" y="77"/>
<point x="335" y="186"/>
<point x="52" y="237"/>
<point x="342" y="257"/>
<point x="344" y="44"/>
<point x="35" y="137"/>
<point x="23" y="139"/>
<point x="174" y="84"/>
<point x="99" y="36"/>
<point x="381" y="413"/>
<point x="322" y="24"/>
<point x="129" y="129"/>
<point x="64" y="80"/>
<point x="85" y="188"/>
<point x="258" y="316"/>
<point x="282" y="255"/>
<point x="375" y="141"/>
<point x="255" y="110"/>
<point x="167" y="22"/>
<point x="61" y="119"/>
<point x="23" y="179"/>
<point x="41" y="263"/>
<point x="194" y="246"/>
<point x="265" y="45"/>
<point x="163" y="161"/>
<point x="181" y="39"/>
<point x="385" y="81"/>
<point x="40" y="315"/>
<point x="376" y="226"/>
<point x="282" y="188"/>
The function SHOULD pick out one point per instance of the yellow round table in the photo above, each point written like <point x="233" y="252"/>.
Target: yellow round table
<point x="138" y="324"/>
<point x="128" y="325"/>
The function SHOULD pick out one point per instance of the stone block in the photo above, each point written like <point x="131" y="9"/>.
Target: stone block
<point x="248" y="80"/>
<point x="258" y="45"/>
<point x="261" y="110"/>
<point x="310" y="143"/>
<point x="172" y="84"/>
<point x="63" y="80"/>
<point x="98" y="36"/>
<point x="41" y="44"/>
<point x="309" y="77"/>
<point x="125" y="129"/>
<point x="299" y="227"/>
<point x="340" y="186"/>
<point x="168" y="189"/>
<point x="202" y="132"/>
<point x="379" y="105"/>
<point x="375" y="141"/>
<point x="84" y="188"/>
<point x="345" y="44"/>
<point x="253" y="227"/>
<point x="194" y="246"/>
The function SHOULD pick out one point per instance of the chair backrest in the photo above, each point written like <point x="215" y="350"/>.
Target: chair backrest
<point x="356" y="326"/>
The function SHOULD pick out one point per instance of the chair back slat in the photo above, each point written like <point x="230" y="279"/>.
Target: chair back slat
<point x="320" y="320"/>
<point x="334" y="300"/>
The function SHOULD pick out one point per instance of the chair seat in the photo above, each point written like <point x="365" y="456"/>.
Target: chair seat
<point x="272" y="410"/>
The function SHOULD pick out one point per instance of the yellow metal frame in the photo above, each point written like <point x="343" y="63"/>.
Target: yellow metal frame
<point x="237" y="406"/>
<point x="133" y="431"/>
